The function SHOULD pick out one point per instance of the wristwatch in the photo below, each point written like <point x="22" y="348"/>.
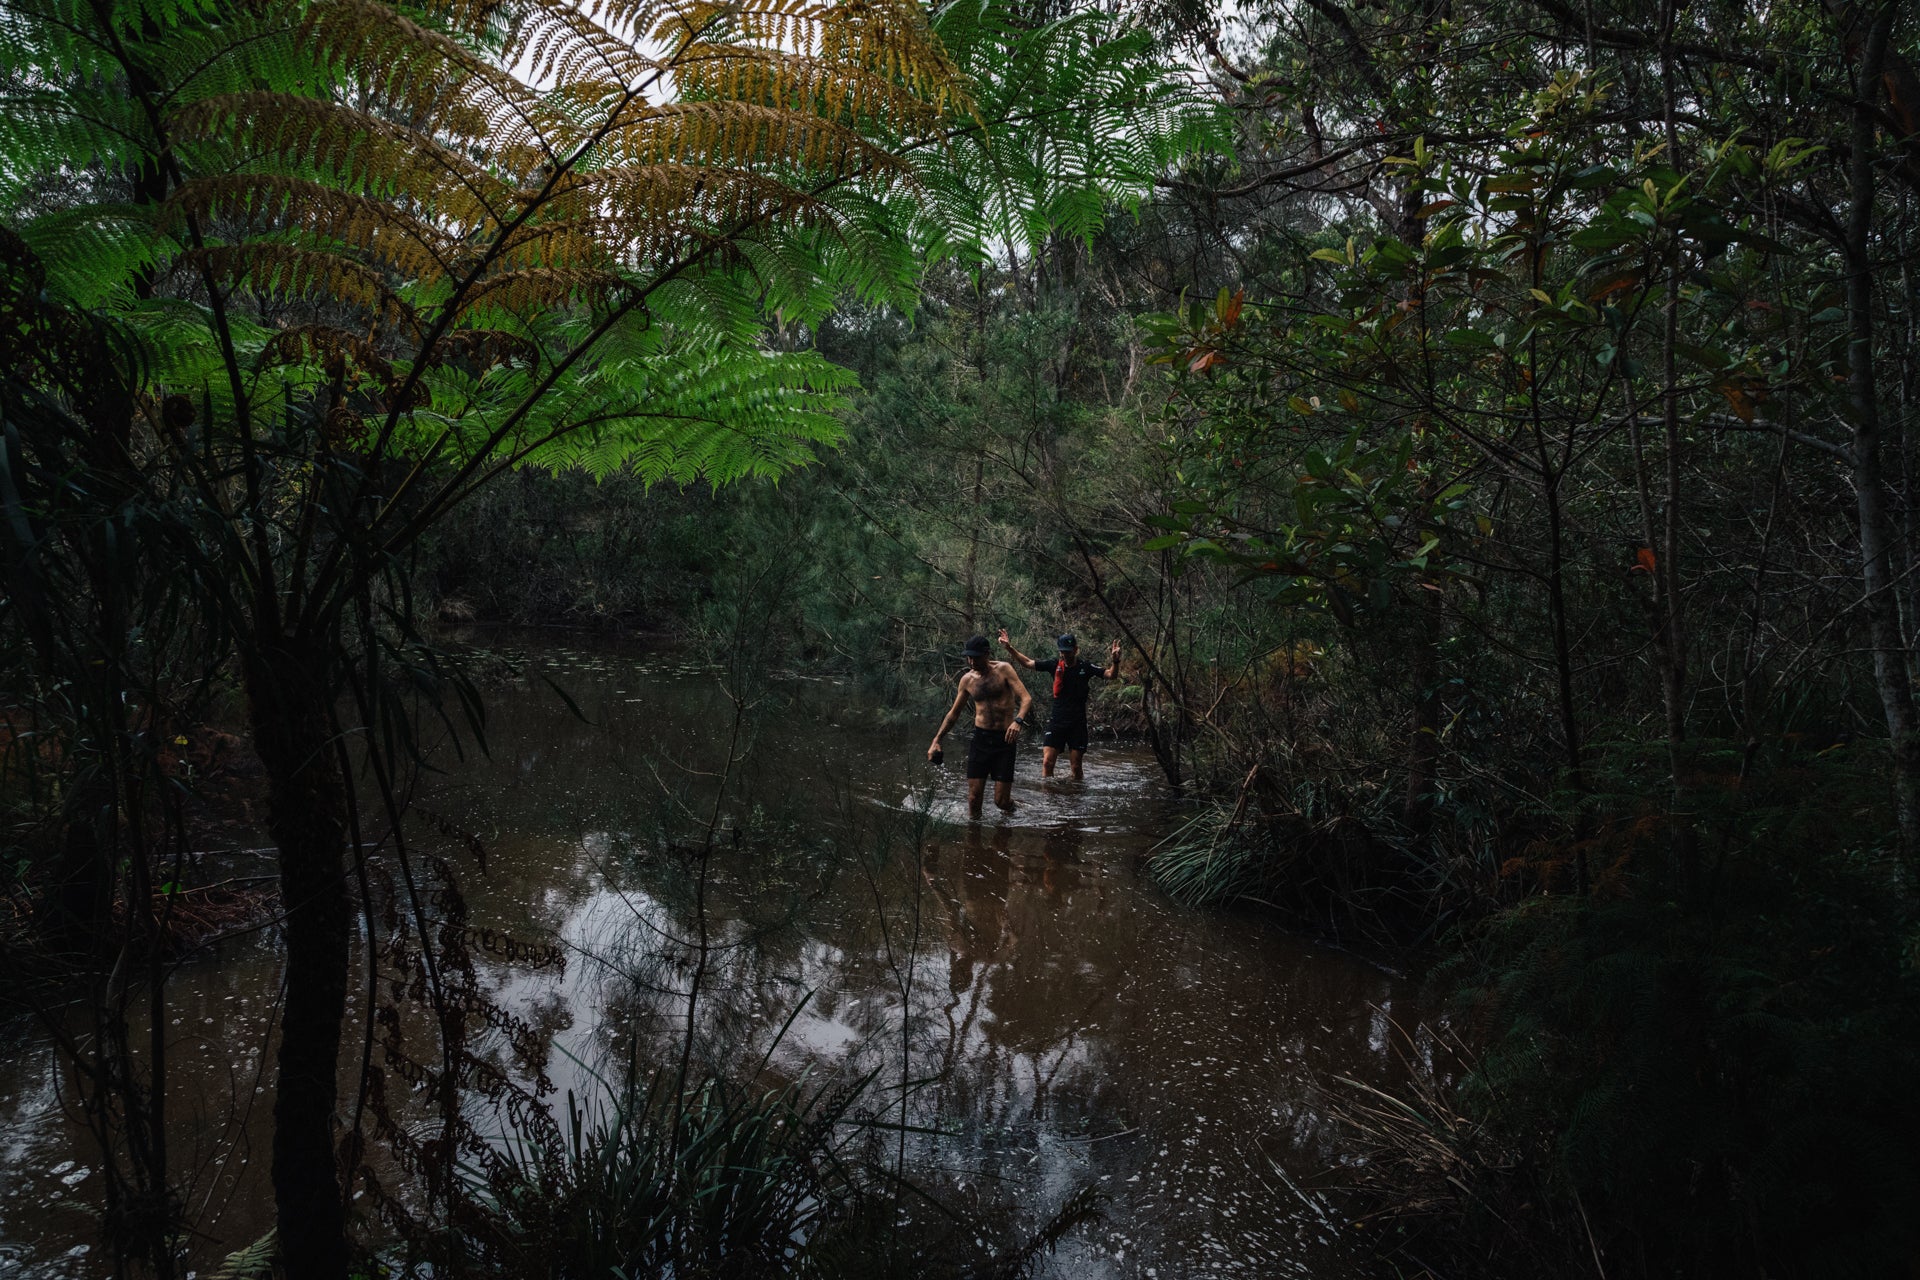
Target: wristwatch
<point x="1021" y="721"/>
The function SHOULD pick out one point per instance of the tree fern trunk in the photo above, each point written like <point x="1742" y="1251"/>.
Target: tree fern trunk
<point x="307" y="819"/>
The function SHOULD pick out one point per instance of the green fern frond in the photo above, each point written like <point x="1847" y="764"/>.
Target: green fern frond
<point x="255" y="1262"/>
<point x="93" y="253"/>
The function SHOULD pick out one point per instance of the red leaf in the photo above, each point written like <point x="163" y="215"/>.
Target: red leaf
<point x="1643" y="561"/>
<point x="1615" y="285"/>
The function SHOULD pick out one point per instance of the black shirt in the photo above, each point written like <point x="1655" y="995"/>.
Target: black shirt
<point x="1073" y="685"/>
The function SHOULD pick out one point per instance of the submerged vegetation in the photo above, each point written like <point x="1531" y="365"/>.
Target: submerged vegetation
<point x="1490" y="428"/>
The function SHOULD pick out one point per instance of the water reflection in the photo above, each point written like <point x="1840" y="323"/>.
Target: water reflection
<point x="1060" y="1022"/>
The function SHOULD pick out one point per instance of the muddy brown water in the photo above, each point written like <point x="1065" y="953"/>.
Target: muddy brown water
<point x="1062" y="1022"/>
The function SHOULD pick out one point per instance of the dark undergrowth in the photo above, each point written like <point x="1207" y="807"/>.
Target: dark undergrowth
<point x="1703" y="1068"/>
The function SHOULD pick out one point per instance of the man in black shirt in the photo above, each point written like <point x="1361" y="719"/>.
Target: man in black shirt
<point x="1072" y="680"/>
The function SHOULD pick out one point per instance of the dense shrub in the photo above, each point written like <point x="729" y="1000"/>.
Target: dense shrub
<point x="1699" y="1070"/>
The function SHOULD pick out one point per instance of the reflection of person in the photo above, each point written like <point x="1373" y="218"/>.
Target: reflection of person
<point x="1000" y="706"/>
<point x="1072" y="680"/>
<point x="976" y="890"/>
<point x="1060" y="862"/>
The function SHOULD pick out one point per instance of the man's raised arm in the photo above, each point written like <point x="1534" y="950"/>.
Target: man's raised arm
<point x="1026" y="704"/>
<point x="1113" y="666"/>
<point x="1018" y="656"/>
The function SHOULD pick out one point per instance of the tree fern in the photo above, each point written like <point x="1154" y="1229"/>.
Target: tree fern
<point x="450" y="167"/>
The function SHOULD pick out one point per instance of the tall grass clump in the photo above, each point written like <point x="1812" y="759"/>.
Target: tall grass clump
<point x="788" y="1182"/>
<point x="722" y="1180"/>
<point x="1330" y="859"/>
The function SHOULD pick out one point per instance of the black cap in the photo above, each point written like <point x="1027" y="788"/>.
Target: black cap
<point x="1066" y="642"/>
<point x="977" y="647"/>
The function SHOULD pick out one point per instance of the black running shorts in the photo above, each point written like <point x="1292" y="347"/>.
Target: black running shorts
<point x="1067" y="734"/>
<point x="990" y="755"/>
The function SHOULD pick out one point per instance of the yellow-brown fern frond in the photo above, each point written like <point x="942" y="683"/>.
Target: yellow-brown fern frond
<point x="563" y="244"/>
<point x="646" y="212"/>
<point x="534" y="289"/>
<point x="386" y="233"/>
<point x="354" y="149"/>
<point x="486" y="162"/>
<point x="291" y="272"/>
<point x="745" y="135"/>
<point x="886" y="38"/>
<point x="427" y="77"/>
<point x="798" y="81"/>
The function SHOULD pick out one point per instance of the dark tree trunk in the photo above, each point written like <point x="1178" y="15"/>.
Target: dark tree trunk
<point x="77" y="924"/>
<point x="971" y="607"/>
<point x="307" y="818"/>
<point x="1669" y="604"/>
<point x="1869" y="480"/>
<point x="1423" y="741"/>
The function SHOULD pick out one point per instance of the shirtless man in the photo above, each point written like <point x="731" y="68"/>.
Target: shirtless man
<point x="1000" y="706"/>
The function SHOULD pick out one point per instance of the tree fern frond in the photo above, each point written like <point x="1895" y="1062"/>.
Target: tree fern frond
<point x="745" y="134"/>
<point x="179" y="349"/>
<point x="780" y="77"/>
<point x="323" y="346"/>
<point x="255" y="1262"/>
<point x="566" y="215"/>
<point x="387" y="233"/>
<point x="435" y="79"/>
<point x="93" y="253"/>
<point x="561" y="41"/>
<point x="563" y="243"/>
<point x="480" y="350"/>
<point x="42" y="131"/>
<point x="713" y="414"/>
<point x="353" y="149"/>
<point x="646" y="212"/>
<point x="534" y="288"/>
<point x="294" y="272"/>
<point x="1130" y="117"/>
